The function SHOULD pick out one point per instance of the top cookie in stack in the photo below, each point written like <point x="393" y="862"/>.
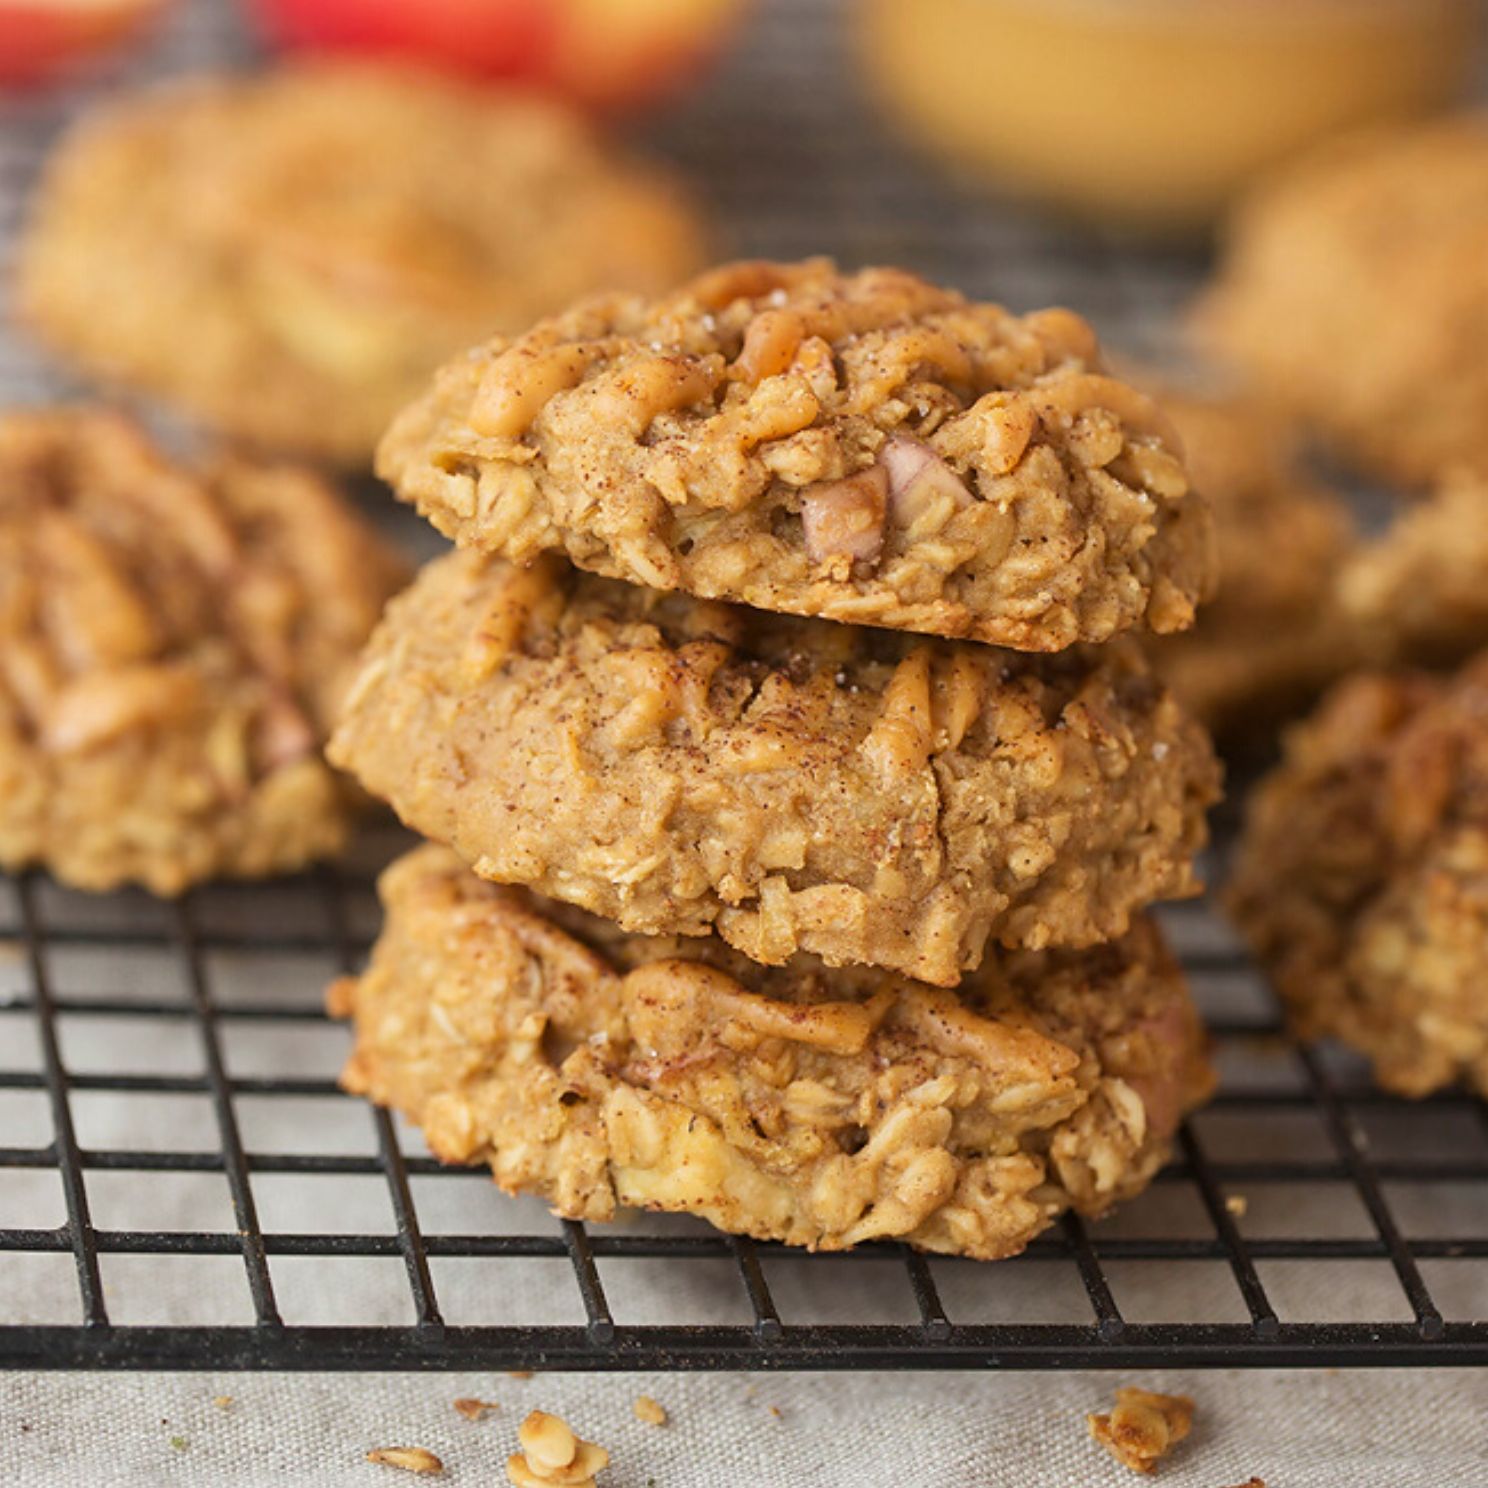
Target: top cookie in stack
<point x="865" y="447"/>
<point x="673" y="731"/>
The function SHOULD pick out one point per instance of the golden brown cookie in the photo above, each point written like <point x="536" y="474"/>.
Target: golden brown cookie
<point x="172" y="646"/>
<point x="677" y="764"/>
<point x="863" y="447"/>
<point x="289" y="255"/>
<point x="1273" y="635"/>
<point x="822" y="1108"/>
<point x="1355" y="287"/>
<point x="1419" y="592"/>
<point x="1362" y="875"/>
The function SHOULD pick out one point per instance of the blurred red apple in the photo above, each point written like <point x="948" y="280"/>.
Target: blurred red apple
<point x="600" y="53"/>
<point x="41" y="38"/>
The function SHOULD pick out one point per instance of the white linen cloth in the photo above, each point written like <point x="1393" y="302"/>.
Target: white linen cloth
<point x="1390" y="1429"/>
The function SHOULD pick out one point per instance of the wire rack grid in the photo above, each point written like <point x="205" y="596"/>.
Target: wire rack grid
<point x="182" y="1185"/>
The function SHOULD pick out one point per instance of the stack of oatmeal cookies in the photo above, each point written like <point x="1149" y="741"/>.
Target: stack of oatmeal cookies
<point x="798" y="779"/>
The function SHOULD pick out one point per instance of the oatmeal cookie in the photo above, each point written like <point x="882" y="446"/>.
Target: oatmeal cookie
<point x="172" y="646"/>
<point x="289" y="255"/>
<point x="821" y="1108"/>
<point x="1355" y="288"/>
<point x="1419" y="593"/>
<point x="677" y="764"/>
<point x="863" y="447"/>
<point x="1362" y="876"/>
<point x="1274" y="633"/>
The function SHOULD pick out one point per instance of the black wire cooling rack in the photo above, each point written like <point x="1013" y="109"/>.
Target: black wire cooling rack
<point x="58" y="937"/>
<point x="182" y="1186"/>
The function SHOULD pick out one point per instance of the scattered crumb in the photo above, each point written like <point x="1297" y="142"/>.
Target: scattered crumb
<point x="777" y="1412"/>
<point x="1143" y="1427"/>
<point x="1237" y="1204"/>
<point x="519" y="1374"/>
<point x="553" y="1454"/>
<point x="407" y="1459"/>
<point x="180" y="1443"/>
<point x="652" y="1412"/>
<point x="222" y="1402"/>
<point x="1251" y="1483"/>
<point x="473" y="1409"/>
<point x="340" y="998"/>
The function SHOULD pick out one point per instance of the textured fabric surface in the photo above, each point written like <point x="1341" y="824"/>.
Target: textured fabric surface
<point x="1389" y="1429"/>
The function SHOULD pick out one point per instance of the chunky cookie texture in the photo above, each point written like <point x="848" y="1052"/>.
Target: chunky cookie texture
<point x="1355" y="288"/>
<point x="821" y="1108"/>
<point x="1362" y="876"/>
<point x="289" y="255"/>
<point x="1275" y="633"/>
<point x="677" y="764"/>
<point x="172" y="645"/>
<point x="863" y="447"/>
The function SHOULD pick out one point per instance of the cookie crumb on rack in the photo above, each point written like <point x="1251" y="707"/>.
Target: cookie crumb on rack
<point x="407" y="1459"/>
<point x="473" y="1409"/>
<point x="652" y="1412"/>
<point x="1237" y="1204"/>
<point x="553" y="1454"/>
<point x="1142" y="1427"/>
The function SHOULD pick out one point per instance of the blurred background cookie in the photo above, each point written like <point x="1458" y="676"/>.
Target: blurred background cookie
<point x="173" y="644"/>
<point x="1274" y="633"/>
<point x="1418" y="593"/>
<point x="1353" y="288"/>
<point x="287" y="256"/>
<point x="1361" y="879"/>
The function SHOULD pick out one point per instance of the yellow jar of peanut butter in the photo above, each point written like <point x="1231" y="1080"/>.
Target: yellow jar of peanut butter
<point x="1152" y="113"/>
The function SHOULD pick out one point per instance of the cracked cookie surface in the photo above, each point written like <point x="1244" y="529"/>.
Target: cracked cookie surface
<point x="677" y="764"/>
<point x="289" y="255"/>
<point x="1274" y="633"/>
<point x="1355" y="287"/>
<point x="863" y="447"/>
<point x="819" y="1107"/>
<point x="1362" y="875"/>
<point x="172" y="646"/>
